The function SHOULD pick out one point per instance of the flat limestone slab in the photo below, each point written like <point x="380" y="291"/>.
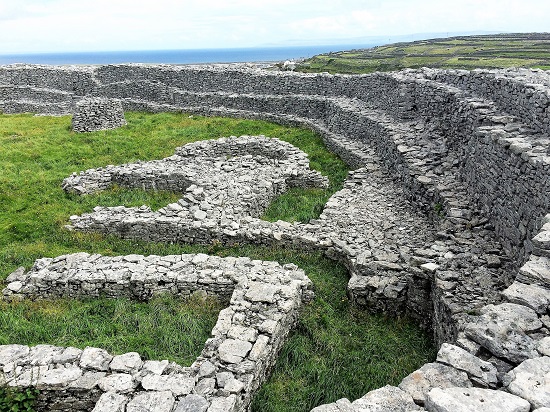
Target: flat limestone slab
<point x="474" y="400"/>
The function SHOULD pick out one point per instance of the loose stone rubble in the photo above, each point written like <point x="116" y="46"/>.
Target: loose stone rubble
<point x="445" y="218"/>
<point x="94" y="114"/>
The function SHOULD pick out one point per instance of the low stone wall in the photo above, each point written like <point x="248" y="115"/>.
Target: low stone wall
<point x="264" y="299"/>
<point x="94" y="114"/>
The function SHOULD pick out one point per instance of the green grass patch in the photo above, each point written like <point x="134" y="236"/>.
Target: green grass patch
<point x="163" y="328"/>
<point x="492" y="51"/>
<point x="334" y="352"/>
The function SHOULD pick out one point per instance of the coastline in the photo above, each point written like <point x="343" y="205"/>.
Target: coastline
<point x="177" y="57"/>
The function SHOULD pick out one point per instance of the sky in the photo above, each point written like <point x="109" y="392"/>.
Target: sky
<point x="28" y="26"/>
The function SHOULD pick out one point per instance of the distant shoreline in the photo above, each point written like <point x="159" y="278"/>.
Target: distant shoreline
<point x="198" y="56"/>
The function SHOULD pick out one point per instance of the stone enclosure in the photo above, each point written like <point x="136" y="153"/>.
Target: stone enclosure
<point x="444" y="219"/>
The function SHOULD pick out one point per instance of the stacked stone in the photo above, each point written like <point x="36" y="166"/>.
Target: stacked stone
<point x="248" y="91"/>
<point x="498" y="364"/>
<point x="469" y="144"/>
<point x="94" y="114"/>
<point x="395" y="262"/>
<point x="226" y="184"/>
<point x="264" y="299"/>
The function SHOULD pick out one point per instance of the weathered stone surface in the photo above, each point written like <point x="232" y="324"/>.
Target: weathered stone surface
<point x="129" y="362"/>
<point x="543" y="346"/>
<point x="423" y="126"/>
<point x="162" y="401"/>
<point x="10" y="353"/>
<point x="479" y="371"/>
<point x="95" y="358"/>
<point x="223" y="404"/>
<point x="177" y="384"/>
<point x="206" y="370"/>
<point x="474" y="399"/>
<point x="260" y="348"/>
<point x="432" y="375"/>
<point x="234" y="386"/>
<point x="88" y="381"/>
<point x="341" y="405"/>
<point x="531" y="380"/>
<point x="192" y="403"/>
<point x="111" y="402"/>
<point x="93" y="114"/>
<point x="233" y="350"/>
<point x="69" y="355"/>
<point x="532" y="296"/>
<point x="156" y="367"/>
<point x="118" y="382"/>
<point x="502" y="330"/>
<point x="386" y="399"/>
<point x="58" y="378"/>
<point x="261" y="292"/>
<point x="535" y="271"/>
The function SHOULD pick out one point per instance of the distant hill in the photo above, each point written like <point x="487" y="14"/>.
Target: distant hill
<point x="461" y="52"/>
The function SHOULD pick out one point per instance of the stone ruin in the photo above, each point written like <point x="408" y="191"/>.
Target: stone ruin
<point x="444" y="219"/>
<point x="94" y="114"/>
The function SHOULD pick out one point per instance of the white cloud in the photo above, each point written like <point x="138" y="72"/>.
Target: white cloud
<point x="75" y="25"/>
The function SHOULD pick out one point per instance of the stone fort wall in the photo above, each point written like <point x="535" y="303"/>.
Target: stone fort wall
<point x="493" y="123"/>
<point x="470" y="149"/>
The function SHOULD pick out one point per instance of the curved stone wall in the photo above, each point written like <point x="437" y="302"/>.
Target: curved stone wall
<point x="462" y="154"/>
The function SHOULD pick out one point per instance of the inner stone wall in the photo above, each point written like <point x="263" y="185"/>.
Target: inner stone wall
<point x="508" y="154"/>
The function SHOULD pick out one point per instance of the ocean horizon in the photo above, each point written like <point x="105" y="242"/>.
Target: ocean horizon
<point x="189" y="56"/>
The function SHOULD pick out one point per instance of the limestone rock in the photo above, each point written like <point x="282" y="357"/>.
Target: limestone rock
<point x="502" y="330"/>
<point x="531" y="380"/>
<point x="341" y="405"/>
<point x="261" y="292"/>
<point x="156" y="367"/>
<point x="129" y="362"/>
<point x="222" y="404"/>
<point x="117" y="382"/>
<point x="93" y="114"/>
<point x="233" y="350"/>
<point x="10" y="353"/>
<point x="95" y="358"/>
<point x="58" y="378"/>
<point x="478" y="370"/>
<point x="177" y="384"/>
<point x="432" y="375"/>
<point x="192" y="403"/>
<point x="533" y="296"/>
<point x="111" y="402"/>
<point x="386" y="399"/>
<point x="206" y="370"/>
<point x="474" y="399"/>
<point x="151" y="402"/>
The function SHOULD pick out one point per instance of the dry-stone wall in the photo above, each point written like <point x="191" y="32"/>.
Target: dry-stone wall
<point x="263" y="301"/>
<point x="445" y="218"/>
<point x="93" y="114"/>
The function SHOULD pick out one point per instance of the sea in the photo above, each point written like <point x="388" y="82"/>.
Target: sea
<point x="194" y="56"/>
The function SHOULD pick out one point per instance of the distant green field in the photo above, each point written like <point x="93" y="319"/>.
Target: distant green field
<point x="491" y="51"/>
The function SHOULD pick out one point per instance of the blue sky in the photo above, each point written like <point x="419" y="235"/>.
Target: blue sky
<point x="103" y="25"/>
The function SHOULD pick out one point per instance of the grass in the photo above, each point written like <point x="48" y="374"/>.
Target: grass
<point x="335" y="350"/>
<point x="468" y="52"/>
<point x="164" y="328"/>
